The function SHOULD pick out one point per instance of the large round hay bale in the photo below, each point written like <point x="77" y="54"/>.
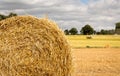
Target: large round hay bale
<point x="33" y="47"/>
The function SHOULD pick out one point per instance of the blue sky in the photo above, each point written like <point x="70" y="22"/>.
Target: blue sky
<point x="100" y="14"/>
<point x="84" y="1"/>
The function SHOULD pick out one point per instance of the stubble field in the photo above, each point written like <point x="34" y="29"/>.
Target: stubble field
<point x="99" y="56"/>
<point x="97" y="41"/>
<point x="96" y="62"/>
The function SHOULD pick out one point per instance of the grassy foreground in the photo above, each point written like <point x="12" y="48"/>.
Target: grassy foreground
<point x="97" y="41"/>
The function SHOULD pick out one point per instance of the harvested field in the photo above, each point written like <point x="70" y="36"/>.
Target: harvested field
<point x="96" y="62"/>
<point x="97" y="41"/>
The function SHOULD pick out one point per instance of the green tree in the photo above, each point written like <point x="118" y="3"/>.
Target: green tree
<point x="98" y="33"/>
<point x="66" y="32"/>
<point x="104" y="32"/>
<point x="2" y="17"/>
<point x="73" y="31"/>
<point x="12" y="14"/>
<point x="107" y="32"/>
<point x="87" y="30"/>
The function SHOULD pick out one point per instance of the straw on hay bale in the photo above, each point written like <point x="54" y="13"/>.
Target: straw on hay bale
<point x="33" y="47"/>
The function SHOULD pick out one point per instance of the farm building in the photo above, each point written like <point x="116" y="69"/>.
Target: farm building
<point x="117" y="31"/>
<point x="117" y="28"/>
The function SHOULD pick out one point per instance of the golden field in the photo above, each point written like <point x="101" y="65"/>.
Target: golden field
<point x="96" y="62"/>
<point x="100" y="58"/>
<point x="97" y="41"/>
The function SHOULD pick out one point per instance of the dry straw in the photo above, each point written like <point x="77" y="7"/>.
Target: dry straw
<point x="33" y="47"/>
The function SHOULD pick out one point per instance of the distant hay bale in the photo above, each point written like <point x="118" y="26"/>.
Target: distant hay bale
<point x="89" y="37"/>
<point x="33" y="47"/>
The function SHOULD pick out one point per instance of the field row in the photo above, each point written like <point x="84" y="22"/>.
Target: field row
<point x="104" y="41"/>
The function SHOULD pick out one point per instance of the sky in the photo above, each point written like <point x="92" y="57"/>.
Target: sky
<point x="100" y="14"/>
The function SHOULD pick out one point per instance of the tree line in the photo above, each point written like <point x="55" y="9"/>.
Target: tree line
<point x="88" y="30"/>
<point x="2" y="17"/>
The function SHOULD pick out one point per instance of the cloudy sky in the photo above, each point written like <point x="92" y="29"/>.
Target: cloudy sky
<point x="100" y="14"/>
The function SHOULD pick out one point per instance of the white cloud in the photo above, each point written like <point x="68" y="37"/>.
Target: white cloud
<point x="69" y="13"/>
